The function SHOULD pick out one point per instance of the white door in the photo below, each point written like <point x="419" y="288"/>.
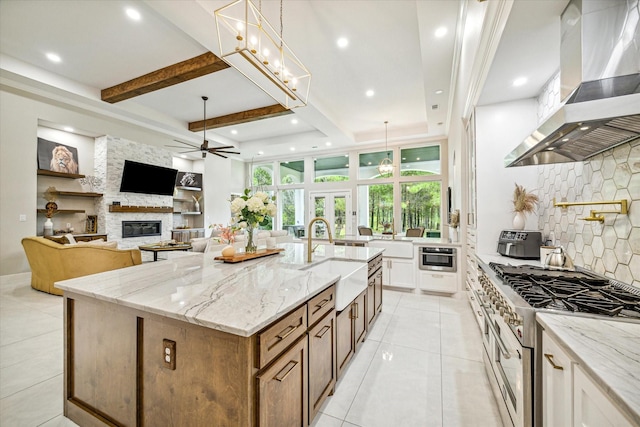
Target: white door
<point x="334" y="206"/>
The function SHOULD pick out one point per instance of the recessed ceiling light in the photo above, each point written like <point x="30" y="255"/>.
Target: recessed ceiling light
<point x="294" y="121"/>
<point x="520" y="81"/>
<point x="68" y="129"/>
<point x="328" y="143"/>
<point x="441" y="32"/>
<point x="417" y="158"/>
<point x="286" y="163"/>
<point x="370" y="93"/>
<point x="404" y="158"/>
<point x="369" y="163"/>
<point x="292" y="148"/>
<point x="439" y="92"/>
<point x="343" y="42"/>
<point x="133" y="14"/>
<point x="347" y="165"/>
<point x="260" y="153"/>
<point x="346" y="155"/>
<point x="234" y="132"/>
<point x="54" y="57"/>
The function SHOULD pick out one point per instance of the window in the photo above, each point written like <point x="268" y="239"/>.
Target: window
<point x="369" y="162"/>
<point x="262" y="175"/>
<point x="292" y="172"/>
<point x="375" y="207"/>
<point x="291" y="210"/>
<point x="420" y="202"/>
<point x="420" y="161"/>
<point x="331" y="169"/>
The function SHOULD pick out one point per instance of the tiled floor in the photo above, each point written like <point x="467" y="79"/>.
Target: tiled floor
<point x="420" y="365"/>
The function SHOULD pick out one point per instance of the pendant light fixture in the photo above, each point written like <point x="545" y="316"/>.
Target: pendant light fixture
<point x="386" y="165"/>
<point x="250" y="44"/>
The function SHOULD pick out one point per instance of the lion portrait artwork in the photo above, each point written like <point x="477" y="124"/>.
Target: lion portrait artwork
<point x="62" y="160"/>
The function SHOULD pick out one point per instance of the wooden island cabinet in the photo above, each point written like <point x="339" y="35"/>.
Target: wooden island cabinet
<point x="195" y="342"/>
<point x="122" y="373"/>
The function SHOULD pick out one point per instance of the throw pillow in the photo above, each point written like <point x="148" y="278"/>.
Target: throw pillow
<point x="279" y="233"/>
<point x="100" y="243"/>
<point x="199" y="244"/>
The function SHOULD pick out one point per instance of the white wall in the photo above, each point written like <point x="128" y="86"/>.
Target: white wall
<point x="499" y="129"/>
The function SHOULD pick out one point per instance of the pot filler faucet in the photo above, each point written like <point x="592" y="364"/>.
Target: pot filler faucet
<point x="309" y="249"/>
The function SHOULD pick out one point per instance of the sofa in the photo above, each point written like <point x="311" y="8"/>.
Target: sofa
<point x="51" y="262"/>
<point x="212" y="244"/>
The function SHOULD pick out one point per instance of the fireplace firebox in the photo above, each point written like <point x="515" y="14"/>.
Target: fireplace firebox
<point x="141" y="228"/>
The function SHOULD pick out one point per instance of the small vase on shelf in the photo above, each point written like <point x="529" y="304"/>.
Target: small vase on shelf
<point x="454" y="234"/>
<point x="519" y="221"/>
<point x="251" y="247"/>
<point x="48" y="227"/>
<point x="196" y="207"/>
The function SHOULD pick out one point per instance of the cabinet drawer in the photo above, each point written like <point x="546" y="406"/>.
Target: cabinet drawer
<point x="321" y="304"/>
<point x="374" y="264"/>
<point x="439" y="282"/>
<point x="275" y="339"/>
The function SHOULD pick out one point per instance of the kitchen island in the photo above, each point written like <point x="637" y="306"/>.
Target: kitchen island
<point x="193" y="341"/>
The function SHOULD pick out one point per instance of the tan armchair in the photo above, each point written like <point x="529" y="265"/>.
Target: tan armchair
<point x="51" y="262"/>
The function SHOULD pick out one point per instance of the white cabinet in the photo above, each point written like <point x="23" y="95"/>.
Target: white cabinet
<point x="569" y="396"/>
<point x="438" y="282"/>
<point x="556" y="381"/>
<point x="398" y="272"/>
<point x="591" y="407"/>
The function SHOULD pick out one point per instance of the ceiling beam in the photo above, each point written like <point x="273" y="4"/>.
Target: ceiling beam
<point x="199" y="66"/>
<point x="241" y="117"/>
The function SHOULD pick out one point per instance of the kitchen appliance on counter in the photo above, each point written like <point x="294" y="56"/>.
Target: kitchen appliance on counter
<point x="508" y="298"/>
<point x="520" y="244"/>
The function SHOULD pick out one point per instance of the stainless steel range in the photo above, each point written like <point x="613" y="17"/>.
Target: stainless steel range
<point x="509" y="297"/>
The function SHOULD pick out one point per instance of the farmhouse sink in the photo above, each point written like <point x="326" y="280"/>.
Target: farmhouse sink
<point x="353" y="279"/>
<point x="394" y="248"/>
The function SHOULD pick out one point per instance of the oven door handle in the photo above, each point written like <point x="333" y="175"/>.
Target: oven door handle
<point x="503" y="348"/>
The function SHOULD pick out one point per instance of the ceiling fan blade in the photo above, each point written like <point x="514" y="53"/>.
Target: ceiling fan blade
<point x="224" y="147"/>
<point x="227" y="152"/>
<point x="217" y="154"/>
<point x="186" y="143"/>
<point x="177" y="146"/>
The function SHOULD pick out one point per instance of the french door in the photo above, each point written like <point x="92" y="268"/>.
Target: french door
<point x="335" y="207"/>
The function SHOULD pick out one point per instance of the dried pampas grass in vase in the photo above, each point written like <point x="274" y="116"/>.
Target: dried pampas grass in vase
<point x="523" y="203"/>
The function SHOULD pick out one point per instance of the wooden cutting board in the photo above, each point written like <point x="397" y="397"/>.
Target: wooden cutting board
<point x="243" y="256"/>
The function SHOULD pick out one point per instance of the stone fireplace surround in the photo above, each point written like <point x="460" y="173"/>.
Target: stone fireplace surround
<point x="109" y="156"/>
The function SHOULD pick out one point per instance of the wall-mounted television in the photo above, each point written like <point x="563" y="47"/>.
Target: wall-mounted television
<point x="147" y="179"/>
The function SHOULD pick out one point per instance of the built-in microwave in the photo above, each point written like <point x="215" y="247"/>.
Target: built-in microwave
<point x="437" y="258"/>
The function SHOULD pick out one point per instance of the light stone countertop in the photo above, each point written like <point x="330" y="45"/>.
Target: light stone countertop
<point x="500" y="259"/>
<point x="416" y="241"/>
<point x="237" y="298"/>
<point x="608" y="350"/>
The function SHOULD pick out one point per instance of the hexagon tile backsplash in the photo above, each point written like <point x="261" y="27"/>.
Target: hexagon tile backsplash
<point x="611" y="248"/>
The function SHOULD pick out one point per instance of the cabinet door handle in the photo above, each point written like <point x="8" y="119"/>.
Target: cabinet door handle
<point x="550" y="359"/>
<point x="285" y="333"/>
<point x="323" y="331"/>
<point x="284" y="373"/>
<point x="322" y="303"/>
<point x="356" y="306"/>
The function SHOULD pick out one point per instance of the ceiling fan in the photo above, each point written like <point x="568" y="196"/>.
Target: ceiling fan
<point x="218" y="151"/>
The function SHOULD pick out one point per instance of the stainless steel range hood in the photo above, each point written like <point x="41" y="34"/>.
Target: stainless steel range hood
<point x="599" y="86"/>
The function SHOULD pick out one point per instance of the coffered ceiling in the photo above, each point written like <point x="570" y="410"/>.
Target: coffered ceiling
<point x="392" y="50"/>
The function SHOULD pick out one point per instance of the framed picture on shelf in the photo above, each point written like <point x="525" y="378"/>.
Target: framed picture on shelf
<point x="92" y="224"/>
<point x="189" y="179"/>
<point x="57" y="157"/>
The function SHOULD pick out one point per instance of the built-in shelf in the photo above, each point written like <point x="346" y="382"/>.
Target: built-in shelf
<point x="77" y="194"/>
<point x="182" y="200"/>
<point x="189" y="213"/>
<point x="157" y="209"/>
<point x="190" y="188"/>
<point x="63" y="211"/>
<point x="59" y="174"/>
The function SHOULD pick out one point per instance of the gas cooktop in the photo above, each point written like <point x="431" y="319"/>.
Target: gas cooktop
<point x="569" y="290"/>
